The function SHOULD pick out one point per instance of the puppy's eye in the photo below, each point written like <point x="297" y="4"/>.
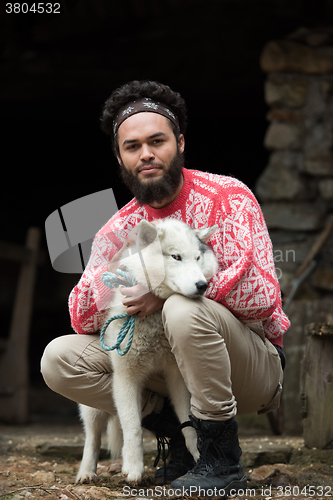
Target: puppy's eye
<point x="198" y="258"/>
<point x="176" y="257"/>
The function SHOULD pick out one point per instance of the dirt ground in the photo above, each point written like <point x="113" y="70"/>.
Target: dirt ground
<point x="40" y="460"/>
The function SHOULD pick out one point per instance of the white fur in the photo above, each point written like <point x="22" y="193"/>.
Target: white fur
<point x="171" y="258"/>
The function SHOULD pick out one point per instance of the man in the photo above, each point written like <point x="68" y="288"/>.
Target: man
<point x="228" y="344"/>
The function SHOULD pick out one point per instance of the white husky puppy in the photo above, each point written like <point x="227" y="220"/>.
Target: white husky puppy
<point x="168" y="258"/>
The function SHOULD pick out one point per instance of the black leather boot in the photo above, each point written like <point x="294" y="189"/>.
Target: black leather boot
<point x="170" y="444"/>
<point x="219" y="467"/>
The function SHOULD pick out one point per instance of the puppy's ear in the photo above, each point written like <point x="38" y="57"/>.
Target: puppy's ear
<point x="205" y="234"/>
<point x="147" y="233"/>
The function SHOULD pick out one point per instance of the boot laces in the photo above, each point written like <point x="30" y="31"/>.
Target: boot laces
<point x="212" y="459"/>
<point x="163" y="449"/>
<point x="173" y="447"/>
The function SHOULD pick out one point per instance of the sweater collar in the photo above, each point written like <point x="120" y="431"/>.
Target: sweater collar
<point x="177" y="204"/>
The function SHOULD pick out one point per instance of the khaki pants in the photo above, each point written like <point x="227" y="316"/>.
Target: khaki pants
<point x="228" y="367"/>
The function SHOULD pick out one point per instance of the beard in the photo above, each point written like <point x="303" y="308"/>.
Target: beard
<point x="154" y="190"/>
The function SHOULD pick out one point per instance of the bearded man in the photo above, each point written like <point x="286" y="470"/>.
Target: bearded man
<point x="227" y="344"/>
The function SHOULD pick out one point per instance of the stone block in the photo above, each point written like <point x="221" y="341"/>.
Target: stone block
<point x="63" y="449"/>
<point x="319" y="39"/>
<point x="326" y="189"/>
<point x="319" y="163"/>
<point x="285" y="56"/>
<point x="286" y="92"/>
<point x="287" y="159"/>
<point x="319" y="137"/>
<point x="290" y="254"/>
<point x="316" y="102"/>
<point x="299" y="216"/>
<point x="285" y="115"/>
<point x="313" y="37"/>
<point x="42" y="476"/>
<point x="263" y="453"/>
<point x="279" y="182"/>
<point x="318" y="476"/>
<point x="326" y="87"/>
<point x="309" y="456"/>
<point x="284" y="136"/>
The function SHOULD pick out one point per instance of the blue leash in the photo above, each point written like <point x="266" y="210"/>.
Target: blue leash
<point x="111" y="281"/>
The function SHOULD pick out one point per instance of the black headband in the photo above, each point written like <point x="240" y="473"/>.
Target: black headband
<point x="141" y="105"/>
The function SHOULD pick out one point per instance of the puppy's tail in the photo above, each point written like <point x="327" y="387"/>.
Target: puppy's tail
<point x="114" y="437"/>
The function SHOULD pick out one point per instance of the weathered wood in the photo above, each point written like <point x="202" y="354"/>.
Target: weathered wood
<point x="318" y="244"/>
<point x="321" y="329"/>
<point x="19" y="253"/>
<point x="301" y="314"/>
<point x="317" y="386"/>
<point x="276" y="419"/>
<point x="12" y="251"/>
<point x="309" y="263"/>
<point x="14" y="370"/>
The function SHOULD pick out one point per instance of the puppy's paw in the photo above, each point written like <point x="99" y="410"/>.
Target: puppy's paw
<point x="133" y="478"/>
<point x="86" y="477"/>
<point x="133" y="474"/>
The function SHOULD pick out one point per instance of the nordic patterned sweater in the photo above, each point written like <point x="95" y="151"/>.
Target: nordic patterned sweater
<point x="246" y="282"/>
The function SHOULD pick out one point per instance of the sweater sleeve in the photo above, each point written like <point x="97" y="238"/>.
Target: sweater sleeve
<point x="90" y="297"/>
<point x="246" y="282"/>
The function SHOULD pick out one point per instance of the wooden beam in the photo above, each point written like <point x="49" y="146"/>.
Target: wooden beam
<point x="317" y="386"/>
<point x="19" y="253"/>
<point x="14" y="367"/>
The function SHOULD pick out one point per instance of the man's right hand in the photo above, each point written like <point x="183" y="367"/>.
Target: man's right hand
<point x="114" y="263"/>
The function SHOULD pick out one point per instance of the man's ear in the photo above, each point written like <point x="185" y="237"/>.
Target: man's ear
<point x="181" y="143"/>
<point x="118" y="158"/>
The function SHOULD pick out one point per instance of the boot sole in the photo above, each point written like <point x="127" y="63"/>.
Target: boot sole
<point x="231" y="489"/>
<point x="234" y="487"/>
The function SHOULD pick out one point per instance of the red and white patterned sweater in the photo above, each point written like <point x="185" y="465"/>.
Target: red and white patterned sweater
<point x="246" y="282"/>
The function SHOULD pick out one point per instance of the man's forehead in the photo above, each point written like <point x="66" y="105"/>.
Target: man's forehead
<point x="142" y="125"/>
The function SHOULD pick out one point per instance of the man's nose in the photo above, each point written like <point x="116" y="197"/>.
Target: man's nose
<point x="147" y="153"/>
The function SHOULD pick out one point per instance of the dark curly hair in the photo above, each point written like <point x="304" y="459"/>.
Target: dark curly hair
<point x="134" y="90"/>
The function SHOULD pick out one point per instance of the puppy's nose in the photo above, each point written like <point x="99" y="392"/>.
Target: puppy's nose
<point x="201" y="286"/>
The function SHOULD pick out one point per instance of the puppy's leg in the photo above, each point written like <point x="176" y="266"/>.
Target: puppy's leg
<point x="94" y="423"/>
<point x="180" y="398"/>
<point x="127" y="396"/>
<point x="114" y="437"/>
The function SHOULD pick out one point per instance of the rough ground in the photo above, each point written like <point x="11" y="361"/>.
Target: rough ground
<point x="41" y="461"/>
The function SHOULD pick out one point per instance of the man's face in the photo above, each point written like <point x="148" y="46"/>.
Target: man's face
<point x="150" y="158"/>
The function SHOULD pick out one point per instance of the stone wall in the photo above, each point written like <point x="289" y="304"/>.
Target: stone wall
<point x="296" y="188"/>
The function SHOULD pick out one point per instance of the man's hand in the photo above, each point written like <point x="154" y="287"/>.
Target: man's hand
<point x="138" y="299"/>
<point x="114" y="263"/>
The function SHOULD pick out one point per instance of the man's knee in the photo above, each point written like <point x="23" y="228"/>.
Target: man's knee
<point x="172" y="306"/>
<point x="178" y="313"/>
<point x="51" y="365"/>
